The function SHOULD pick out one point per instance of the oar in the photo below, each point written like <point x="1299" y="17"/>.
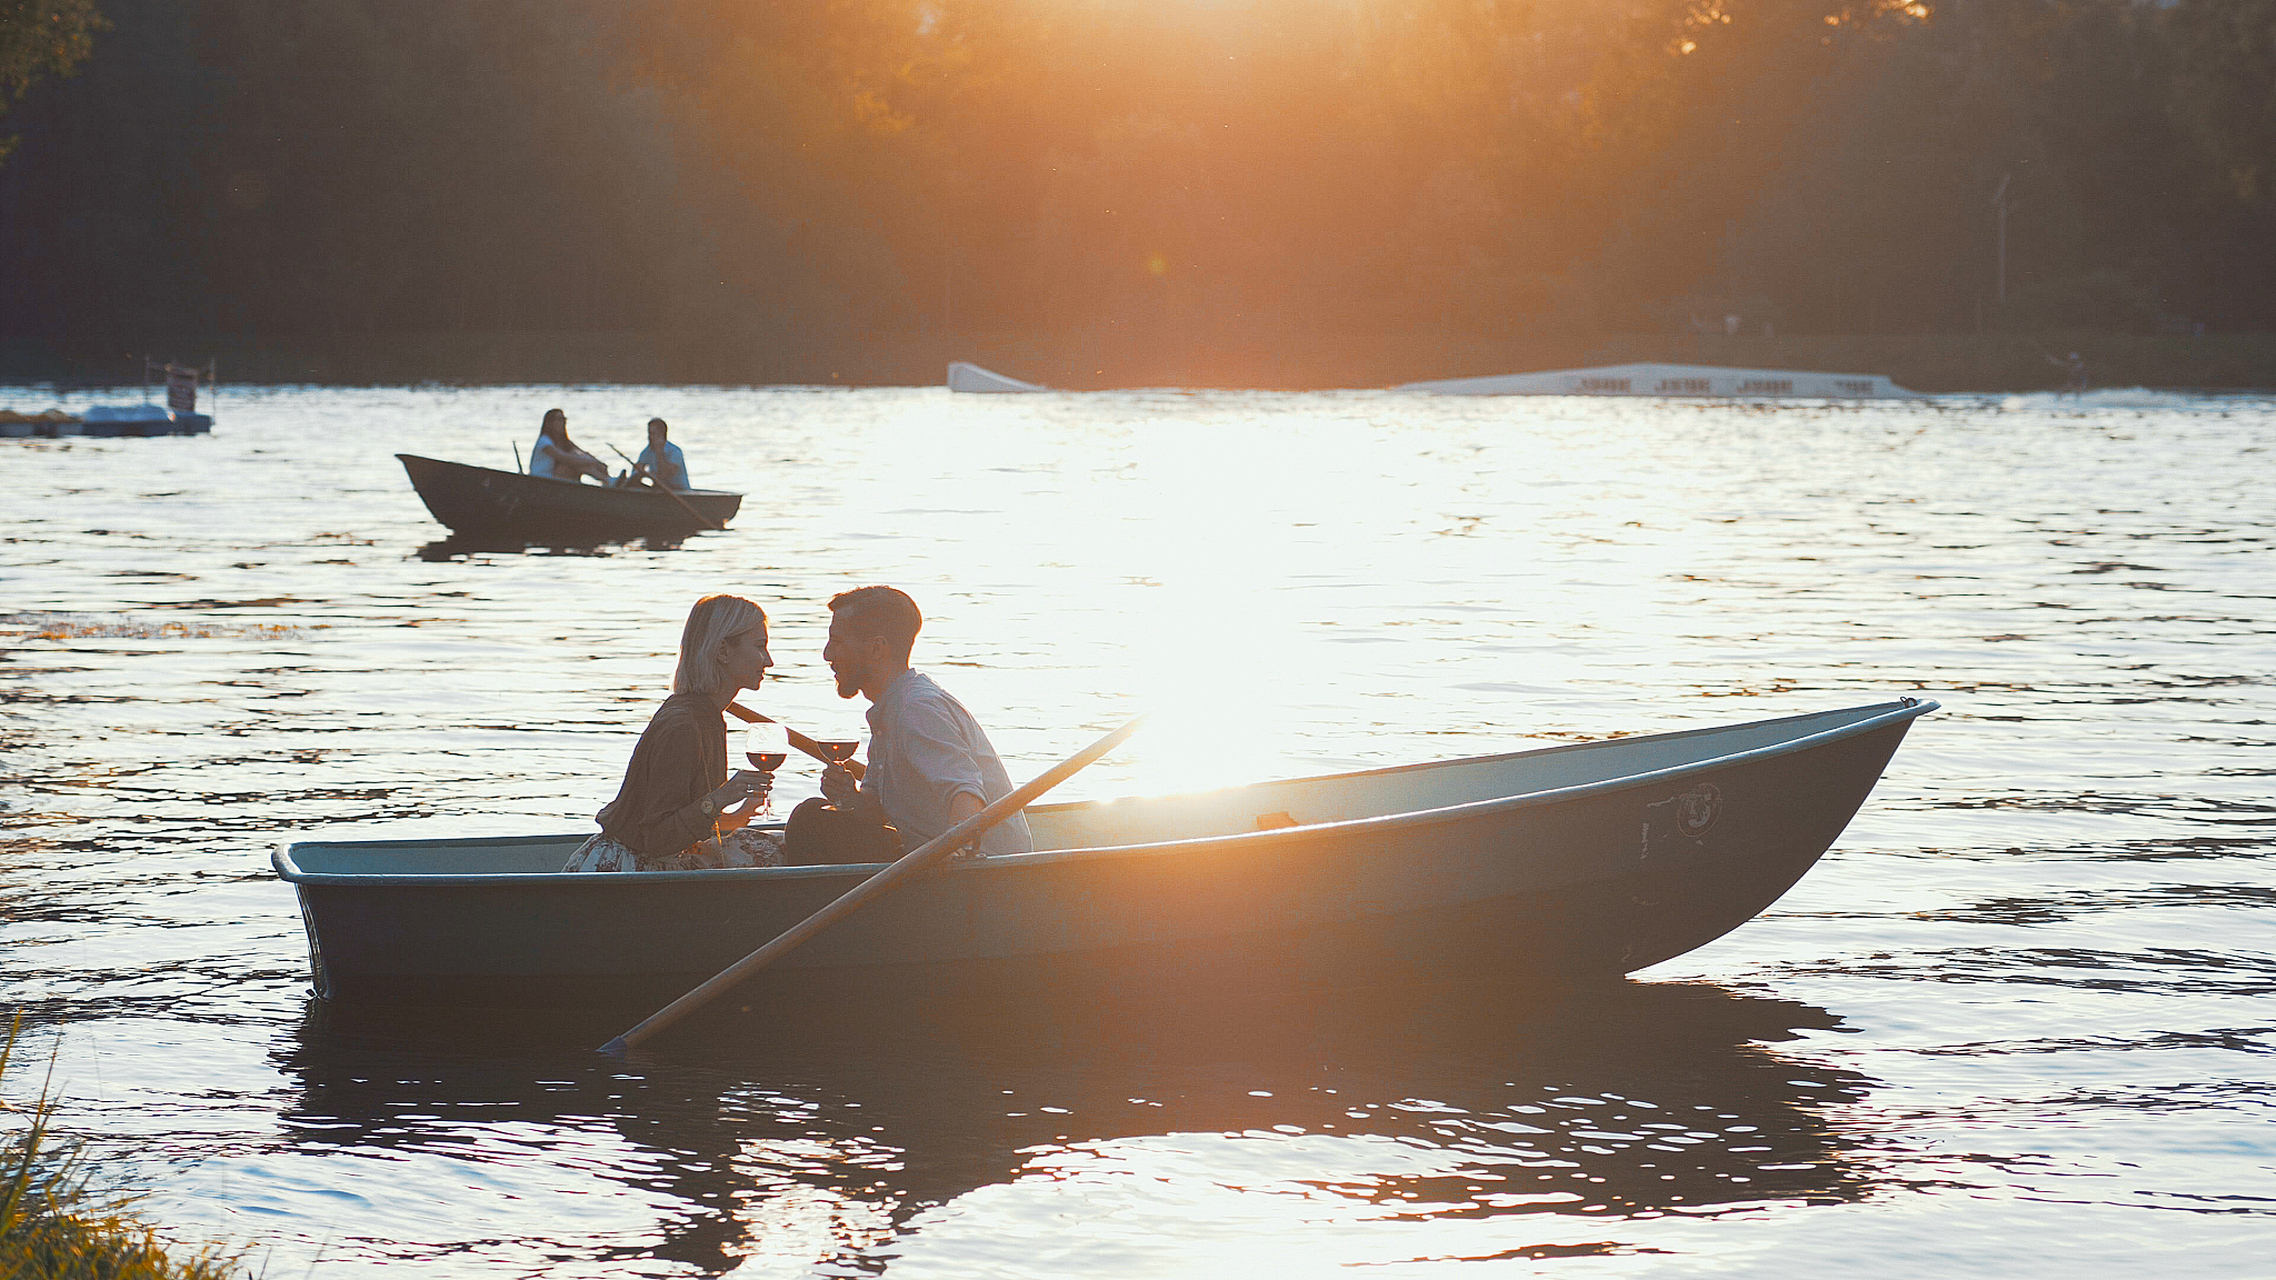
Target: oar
<point x="797" y="739"/>
<point x="669" y="492"/>
<point x="854" y="899"/>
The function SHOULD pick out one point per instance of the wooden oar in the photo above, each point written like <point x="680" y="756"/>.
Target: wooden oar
<point x="854" y="899"/>
<point x="669" y="492"/>
<point x="797" y="739"/>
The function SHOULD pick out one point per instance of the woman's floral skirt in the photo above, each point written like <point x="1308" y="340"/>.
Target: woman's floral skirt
<point x="742" y="848"/>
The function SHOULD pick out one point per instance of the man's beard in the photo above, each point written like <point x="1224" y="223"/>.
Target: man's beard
<point x="849" y="684"/>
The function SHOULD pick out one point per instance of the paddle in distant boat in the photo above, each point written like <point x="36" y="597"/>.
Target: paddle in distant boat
<point x="655" y="485"/>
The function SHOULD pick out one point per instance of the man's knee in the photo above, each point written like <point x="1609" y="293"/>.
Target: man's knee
<point x="821" y="833"/>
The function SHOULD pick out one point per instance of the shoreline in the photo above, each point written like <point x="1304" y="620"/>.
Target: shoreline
<point x="1111" y="358"/>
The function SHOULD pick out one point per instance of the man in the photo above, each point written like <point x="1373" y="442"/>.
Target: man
<point x="930" y="764"/>
<point x="661" y="460"/>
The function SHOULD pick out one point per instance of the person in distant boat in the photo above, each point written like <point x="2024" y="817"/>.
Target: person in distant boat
<point x="674" y="811"/>
<point x="661" y="462"/>
<point x="930" y="764"/>
<point x="553" y="454"/>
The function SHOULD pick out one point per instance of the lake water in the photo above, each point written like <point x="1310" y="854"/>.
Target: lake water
<point x="2018" y="1022"/>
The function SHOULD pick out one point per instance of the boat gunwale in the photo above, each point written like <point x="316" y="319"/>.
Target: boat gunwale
<point x="572" y="483"/>
<point x="284" y="860"/>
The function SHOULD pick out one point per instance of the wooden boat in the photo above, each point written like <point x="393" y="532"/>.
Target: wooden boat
<point x="481" y="502"/>
<point x="1593" y="859"/>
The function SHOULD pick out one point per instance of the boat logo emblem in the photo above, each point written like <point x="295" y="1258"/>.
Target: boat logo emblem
<point x="1696" y="809"/>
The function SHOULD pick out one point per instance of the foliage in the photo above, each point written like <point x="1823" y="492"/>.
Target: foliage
<point x="40" y="38"/>
<point x="53" y="1227"/>
<point x="1229" y="175"/>
<point x="2229" y="102"/>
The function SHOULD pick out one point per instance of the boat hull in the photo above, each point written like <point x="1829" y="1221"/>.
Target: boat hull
<point x="1600" y="879"/>
<point x="484" y="503"/>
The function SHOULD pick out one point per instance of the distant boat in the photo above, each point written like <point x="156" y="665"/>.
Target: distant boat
<point x="965" y="376"/>
<point x="1673" y="380"/>
<point x="142" y="420"/>
<point x="179" y="416"/>
<point x="106" y="420"/>
<point x="1596" y="858"/>
<point x="480" y="502"/>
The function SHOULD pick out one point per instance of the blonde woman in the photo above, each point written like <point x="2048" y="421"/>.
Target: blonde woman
<point x="673" y="812"/>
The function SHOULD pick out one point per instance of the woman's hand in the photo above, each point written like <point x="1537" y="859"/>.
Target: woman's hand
<point x="739" y="785"/>
<point x="746" y="785"/>
<point x="737" y="819"/>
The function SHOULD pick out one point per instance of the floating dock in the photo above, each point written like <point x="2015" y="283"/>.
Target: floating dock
<point x="52" y="426"/>
<point x="1674" y="380"/>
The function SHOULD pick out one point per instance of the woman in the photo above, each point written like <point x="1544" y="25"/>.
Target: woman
<point x="673" y="813"/>
<point x="554" y="456"/>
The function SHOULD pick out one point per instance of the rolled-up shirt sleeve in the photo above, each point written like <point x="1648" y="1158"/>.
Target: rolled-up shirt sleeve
<point x="933" y="744"/>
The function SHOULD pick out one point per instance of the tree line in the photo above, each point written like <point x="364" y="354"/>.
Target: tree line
<point x="804" y="174"/>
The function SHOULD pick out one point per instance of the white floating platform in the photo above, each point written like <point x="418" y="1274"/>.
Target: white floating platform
<point x="1673" y="380"/>
<point x="965" y="376"/>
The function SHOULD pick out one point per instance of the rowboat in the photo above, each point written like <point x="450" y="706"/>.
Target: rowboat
<point x="1591" y="859"/>
<point x="481" y="502"/>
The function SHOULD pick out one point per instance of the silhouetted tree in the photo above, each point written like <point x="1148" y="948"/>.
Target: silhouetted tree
<point x="41" y="38"/>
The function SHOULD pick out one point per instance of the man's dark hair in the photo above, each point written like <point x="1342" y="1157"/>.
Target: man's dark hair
<point x="880" y="613"/>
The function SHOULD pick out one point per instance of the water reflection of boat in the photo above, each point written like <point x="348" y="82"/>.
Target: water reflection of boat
<point x="458" y="546"/>
<point x="1596" y="858"/>
<point x="1536" y="1112"/>
<point x="483" y="503"/>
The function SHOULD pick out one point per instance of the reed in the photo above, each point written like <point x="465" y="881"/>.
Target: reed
<point x="56" y="1225"/>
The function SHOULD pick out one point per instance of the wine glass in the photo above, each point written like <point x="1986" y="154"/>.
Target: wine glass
<point x="766" y="746"/>
<point x="840" y="751"/>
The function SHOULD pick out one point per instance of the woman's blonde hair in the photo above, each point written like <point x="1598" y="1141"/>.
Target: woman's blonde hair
<point x="712" y="623"/>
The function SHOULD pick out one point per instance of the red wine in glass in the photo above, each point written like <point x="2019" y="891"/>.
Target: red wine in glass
<point x="839" y="750"/>
<point x="766" y="746"/>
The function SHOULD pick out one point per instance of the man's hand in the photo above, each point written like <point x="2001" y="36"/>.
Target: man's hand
<point x="838" y="786"/>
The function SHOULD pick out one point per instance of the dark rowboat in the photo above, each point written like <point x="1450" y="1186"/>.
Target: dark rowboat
<point x="480" y="502"/>
<point x="1593" y="859"/>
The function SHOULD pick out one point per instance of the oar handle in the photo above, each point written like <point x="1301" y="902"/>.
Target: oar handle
<point x="852" y="900"/>
<point x="797" y="739"/>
